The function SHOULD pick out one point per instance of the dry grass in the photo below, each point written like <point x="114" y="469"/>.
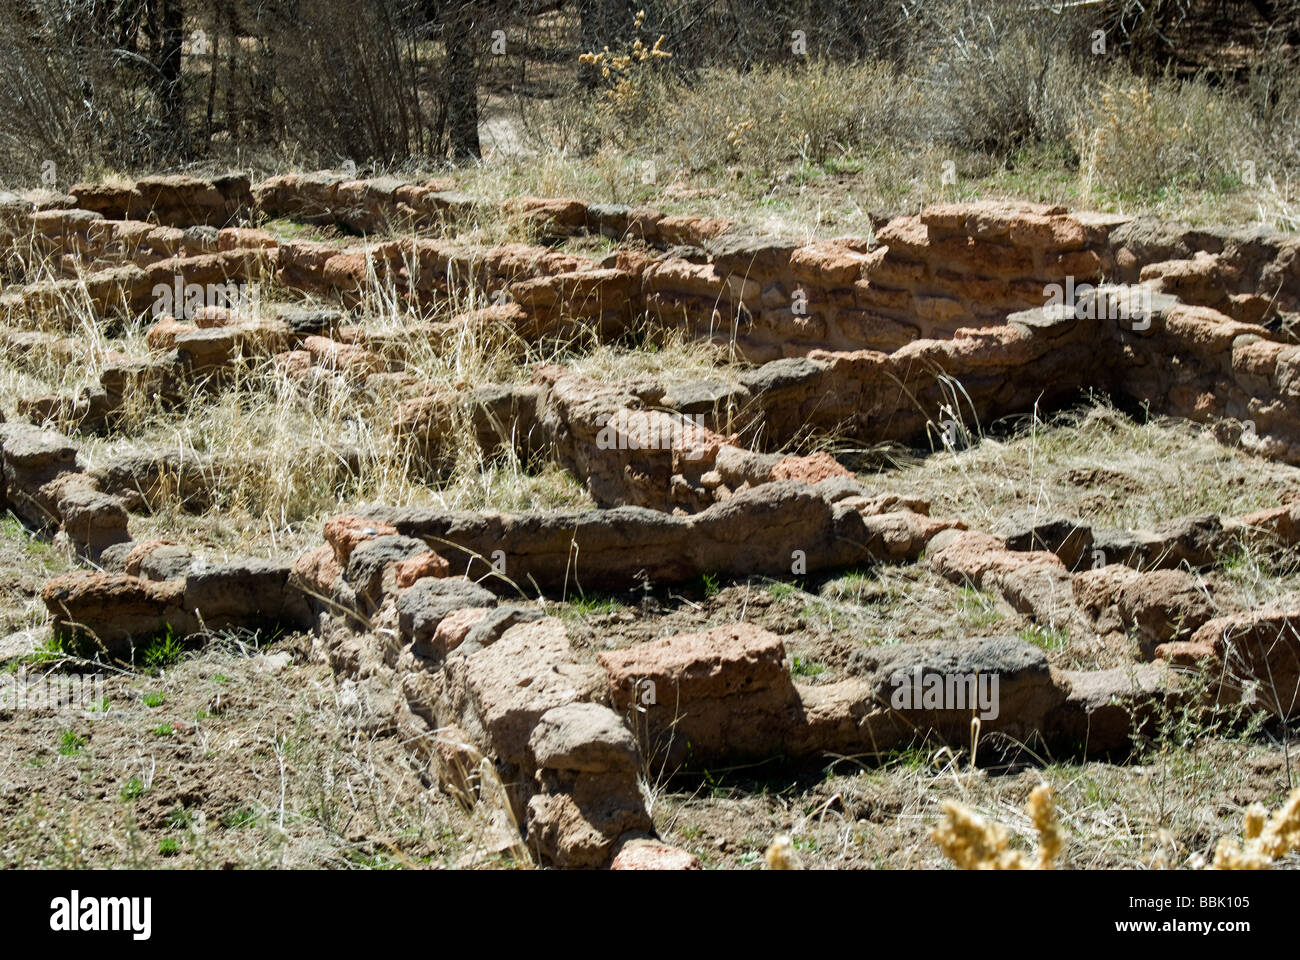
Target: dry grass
<point x="285" y="454"/>
<point x="306" y="781"/>
<point x="1093" y="462"/>
<point x="1138" y="138"/>
<point x="972" y="843"/>
<point x="1264" y="838"/>
<point x="1010" y="111"/>
<point x="1167" y="809"/>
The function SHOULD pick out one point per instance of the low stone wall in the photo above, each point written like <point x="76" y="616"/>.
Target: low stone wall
<point x="925" y="331"/>
<point x="954" y="267"/>
<point x="174" y="200"/>
<point x="758" y="531"/>
<point x="48" y="489"/>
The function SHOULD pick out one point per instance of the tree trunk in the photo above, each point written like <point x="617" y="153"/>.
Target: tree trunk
<point x="213" y="60"/>
<point x="232" y="69"/>
<point x="171" y="90"/>
<point x="462" y="84"/>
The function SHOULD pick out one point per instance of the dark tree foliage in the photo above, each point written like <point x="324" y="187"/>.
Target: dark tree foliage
<point x="95" y="84"/>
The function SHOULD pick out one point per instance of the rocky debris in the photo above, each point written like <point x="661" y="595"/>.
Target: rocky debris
<point x="319" y="321"/>
<point x="453" y="629"/>
<point x="371" y="569"/>
<point x="1105" y="711"/>
<point x="1153" y="607"/>
<point x="1032" y="582"/>
<point x="91" y="519"/>
<point x="1275" y="526"/>
<point x="1036" y="355"/>
<point x="640" y="853"/>
<point x="1186" y="541"/>
<point x="45" y="487"/>
<point x="96" y="407"/>
<point x="492" y="626"/>
<point x="243" y="593"/>
<point x="426" y="564"/>
<point x="901" y="396"/>
<point x="32" y="459"/>
<point x="525" y="703"/>
<point x="955" y="292"/>
<point x="858" y="338"/>
<point x="587" y="764"/>
<point x="1149" y="606"/>
<point x="343" y="358"/>
<point x="505" y="418"/>
<point x="548" y="218"/>
<point x="318" y="576"/>
<point x="157" y="560"/>
<point x="1071" y="540"/>
<point x="176" y="199"/>
<point x="531" y="706"/>
<point x="360" y="206"/>
<point x="952" y="262"/>
<point x="144" y="479"/>
<point x="344" y="533"/>
<point x="1251" y="658"/>
<point x="721" y="662"/>
<point x="424" y="426"/>
<point x="628" y="454"/>
<point x="725" y="692"/>
<point x="937" y="688"/>
<point x="810" y="469"/>
<point x="213" y="352"/>
<point x="424" y="605"/>
<point x="583" y="738"/>
<point x="579" y="827"/>
<point x="506" y="687"/>
<point x="1219" y="266"/>
<point x="112" y="610"/>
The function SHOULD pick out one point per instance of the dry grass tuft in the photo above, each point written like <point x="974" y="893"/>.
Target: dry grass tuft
<point x="1264" y="840"/>
<point x="972" y="843"/>
<point x="781" y="856"/>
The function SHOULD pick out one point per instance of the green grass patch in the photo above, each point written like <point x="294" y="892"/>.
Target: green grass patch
<point x="52" y="650"/>
<point x="163" y="651"/>
<point x="592" y="606"/>
<point x="803" y="667"/>
<point x="780" y="590"/>
<point x="978" y="609"/>
<point x="239" y="818"/>
<point x="1049" y="638"/>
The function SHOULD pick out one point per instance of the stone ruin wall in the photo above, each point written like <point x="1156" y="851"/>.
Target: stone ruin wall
<point x="937" y="318"/>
